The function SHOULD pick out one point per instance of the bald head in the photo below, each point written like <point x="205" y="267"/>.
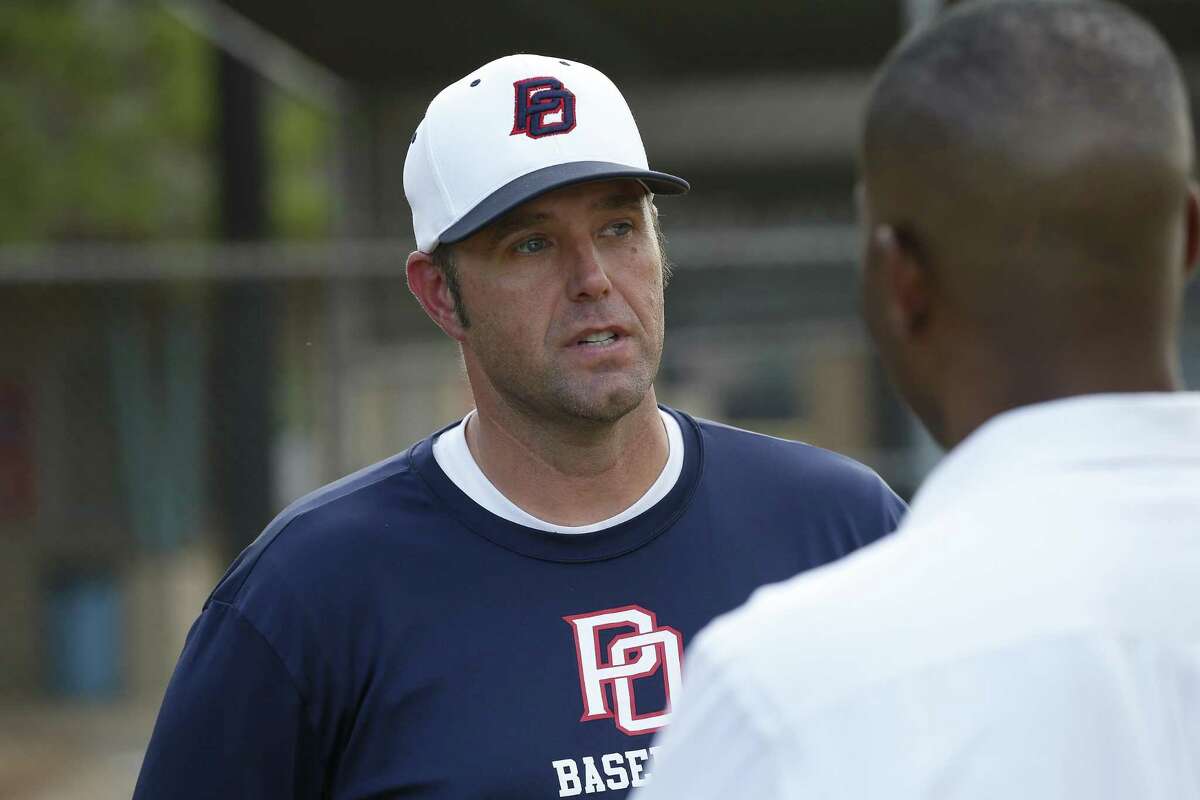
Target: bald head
<point x="1000" y="73"/>
<point x="1034" y="160"/>
<point x="1056" y="134"/>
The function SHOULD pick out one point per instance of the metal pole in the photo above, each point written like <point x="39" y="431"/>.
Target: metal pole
<point x="244" y="338"/>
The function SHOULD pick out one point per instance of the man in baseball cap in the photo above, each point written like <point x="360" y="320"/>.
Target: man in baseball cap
<point x="501" y="609"/>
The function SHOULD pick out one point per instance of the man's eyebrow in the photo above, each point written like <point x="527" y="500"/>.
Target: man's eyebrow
<point x="620" y="200"/>
<point x="514" y="222"/>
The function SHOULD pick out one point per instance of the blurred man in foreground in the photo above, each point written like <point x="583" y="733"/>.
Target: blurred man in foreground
<point x="1033" y="629"/>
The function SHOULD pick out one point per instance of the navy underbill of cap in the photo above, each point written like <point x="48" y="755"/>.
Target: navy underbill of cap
<point x="536" y="183"/>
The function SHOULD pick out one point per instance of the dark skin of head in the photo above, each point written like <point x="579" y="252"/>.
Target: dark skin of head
<point x="1029" y="215"/>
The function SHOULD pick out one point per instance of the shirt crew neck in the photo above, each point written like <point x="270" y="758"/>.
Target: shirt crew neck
<point x="610" y="542"/>
<point x="453" y="455"/>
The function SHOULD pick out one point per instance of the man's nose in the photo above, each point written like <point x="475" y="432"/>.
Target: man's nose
<point x="588" y="277"/>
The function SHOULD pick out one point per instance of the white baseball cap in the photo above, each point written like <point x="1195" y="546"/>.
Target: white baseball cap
<point x="512" y="130"/>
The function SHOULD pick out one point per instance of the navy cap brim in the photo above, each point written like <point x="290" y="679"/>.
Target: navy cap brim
<point x="536" y="183"/>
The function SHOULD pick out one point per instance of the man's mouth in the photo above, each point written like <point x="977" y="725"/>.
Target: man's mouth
<point x="600" y="339"/>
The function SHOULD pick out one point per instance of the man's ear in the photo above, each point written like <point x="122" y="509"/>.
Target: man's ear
<point x="1191" y="253"/>
<point x="429" y="286"/>
<point x="904" y="280"/>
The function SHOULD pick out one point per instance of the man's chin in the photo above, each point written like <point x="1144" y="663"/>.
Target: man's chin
<point x="605" y="404"/>
<point x="608" y="412"/>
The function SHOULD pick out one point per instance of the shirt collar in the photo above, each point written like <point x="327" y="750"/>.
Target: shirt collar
<point x="1088" y="429"/>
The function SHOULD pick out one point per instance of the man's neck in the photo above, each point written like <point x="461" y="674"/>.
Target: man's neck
<point x="570" y="475"/>
<point x="986" y="392"/>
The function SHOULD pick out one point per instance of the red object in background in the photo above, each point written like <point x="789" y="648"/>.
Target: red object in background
<point x="17" y="496"/>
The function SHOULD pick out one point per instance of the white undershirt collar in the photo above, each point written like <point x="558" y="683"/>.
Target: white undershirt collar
<point x="454" y="457"/>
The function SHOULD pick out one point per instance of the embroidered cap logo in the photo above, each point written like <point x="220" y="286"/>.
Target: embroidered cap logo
<point x="542" y="107"/>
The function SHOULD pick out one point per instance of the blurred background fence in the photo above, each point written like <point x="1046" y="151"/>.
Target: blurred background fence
<point x="202" y="240"/>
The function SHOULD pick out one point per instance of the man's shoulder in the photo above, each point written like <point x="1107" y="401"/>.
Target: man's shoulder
<point x="731" y="451"/>
<point x="821" y="635"/>
<point x="323" y="524"/>
<point x="835" y="592"/>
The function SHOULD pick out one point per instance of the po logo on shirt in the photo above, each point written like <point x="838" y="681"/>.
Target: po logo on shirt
<point x="542" y="107"/>
<point x="639" y="652"/>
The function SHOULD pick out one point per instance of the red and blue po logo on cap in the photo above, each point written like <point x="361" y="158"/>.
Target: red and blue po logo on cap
<point x="542" y="107"/>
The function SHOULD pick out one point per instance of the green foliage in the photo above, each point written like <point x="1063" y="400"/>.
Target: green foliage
<point x="106" y="121"/>
<point x="299" y="146"/>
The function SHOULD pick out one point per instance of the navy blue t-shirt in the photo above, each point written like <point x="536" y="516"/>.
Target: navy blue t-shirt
<point x="388" y="637"/>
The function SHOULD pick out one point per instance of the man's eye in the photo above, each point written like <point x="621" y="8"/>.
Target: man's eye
<point x="620" y="228"/>
<point x="533" y="244"/>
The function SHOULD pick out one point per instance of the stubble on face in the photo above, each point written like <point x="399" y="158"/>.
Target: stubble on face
<point x="609" y="395"/>
<point x="557" y="393"/>
<point x="542" y="382"/>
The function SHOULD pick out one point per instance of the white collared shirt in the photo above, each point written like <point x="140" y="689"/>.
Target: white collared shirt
<point x="1031" y="631"/>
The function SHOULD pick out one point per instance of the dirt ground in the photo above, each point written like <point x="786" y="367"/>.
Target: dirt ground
<point x="72" y="752"/>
